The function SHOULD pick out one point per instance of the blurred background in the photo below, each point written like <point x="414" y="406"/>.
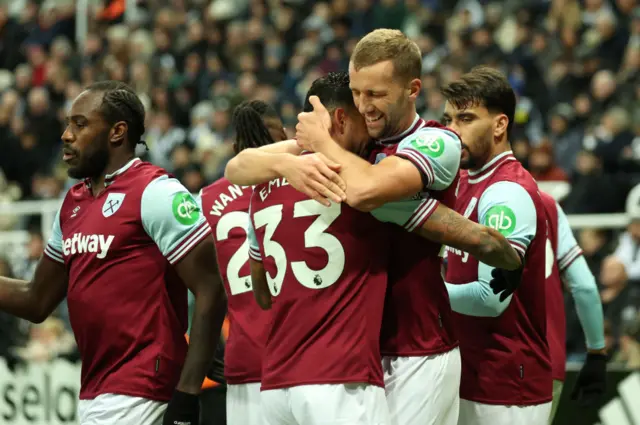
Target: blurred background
<point x="575" y="66"/>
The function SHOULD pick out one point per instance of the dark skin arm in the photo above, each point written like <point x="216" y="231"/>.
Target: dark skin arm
<point x="199" y="271"/>
<point x="36" y="300"/>
<point x="449" y="228"/>
<point x="260" y="284"/>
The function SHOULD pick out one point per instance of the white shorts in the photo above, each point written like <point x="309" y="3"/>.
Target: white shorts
<point x="329" y="404"/>
<point x="472" y="413"/>
<point x="243" y="404"/>
<point x="423" y="390"/>
<point x="109" y="409"/>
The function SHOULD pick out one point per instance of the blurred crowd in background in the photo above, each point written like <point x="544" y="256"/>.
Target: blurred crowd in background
<point x="575" y="66"/>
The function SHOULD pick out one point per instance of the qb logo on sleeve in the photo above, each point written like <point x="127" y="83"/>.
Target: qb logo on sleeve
<point x="432" y="146"/>
<point x="185" y="209"/>
<point x="501" y="218"/>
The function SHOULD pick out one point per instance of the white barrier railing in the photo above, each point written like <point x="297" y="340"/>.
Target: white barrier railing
<point x="48" y="210"/>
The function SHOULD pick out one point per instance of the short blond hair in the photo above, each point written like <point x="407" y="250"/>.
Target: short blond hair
<point x="389" y="45"/>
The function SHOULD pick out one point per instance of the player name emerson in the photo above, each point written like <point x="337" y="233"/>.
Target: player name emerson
<point x="234" y="191"/>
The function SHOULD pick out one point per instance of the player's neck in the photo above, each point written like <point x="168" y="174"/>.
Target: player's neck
<point x="498" y="150"/>
<point x="407" y="121"/>
<point x="116" y="163"/>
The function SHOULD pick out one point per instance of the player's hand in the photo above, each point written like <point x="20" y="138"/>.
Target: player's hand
<point x="592" y="380"/>
<point x="505" y="282"/>
<point x="183" y="409"/>
<point x="313" y="127"/>
<point x="317" y="177"/>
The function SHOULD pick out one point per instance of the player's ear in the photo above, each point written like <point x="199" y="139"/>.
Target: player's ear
<point x="500" y="124"/>
<point x="339" y="120"/>
<point x="414" y="88"/>
<point x="118" y="132"/>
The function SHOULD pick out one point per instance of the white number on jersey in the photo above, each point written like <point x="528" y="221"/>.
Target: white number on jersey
<point x="235" y="219"/>
<point x="314" y="237"/>
<point x="271" y="218"/>
<point x="549" y="258"/>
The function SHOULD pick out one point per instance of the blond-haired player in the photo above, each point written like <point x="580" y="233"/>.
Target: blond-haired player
<point x="409" y="158"/>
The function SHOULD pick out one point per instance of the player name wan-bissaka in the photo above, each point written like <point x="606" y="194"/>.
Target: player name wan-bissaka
<point x="233" y="192"/>
<point x="265" y="191"/>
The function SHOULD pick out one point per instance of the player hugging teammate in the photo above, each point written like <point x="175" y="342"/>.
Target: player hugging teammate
<point x="307" y="270"/>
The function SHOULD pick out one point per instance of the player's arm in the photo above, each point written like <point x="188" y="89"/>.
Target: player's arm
<point x="427" y="159"/>
<point x="258" y="273"/>
<point x="433" y="221"/>
<point x="582" y="285"/>
<point x="508" y="208"/>
<point x="173" y="219"/>
<point x="260" y="165"/>
<point x="36" y="300"/>
<point x="313" y="175"/>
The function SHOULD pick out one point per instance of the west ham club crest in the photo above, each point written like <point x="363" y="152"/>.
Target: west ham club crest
<point x="112" y="204"/>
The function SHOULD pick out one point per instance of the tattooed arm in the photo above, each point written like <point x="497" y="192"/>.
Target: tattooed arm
<point x="449" y="228"/>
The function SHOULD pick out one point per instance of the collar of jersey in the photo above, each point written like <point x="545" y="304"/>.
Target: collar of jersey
<point x="490" y="166"/>
<point x="109" y="178"/>
<point x="415" y="125"/>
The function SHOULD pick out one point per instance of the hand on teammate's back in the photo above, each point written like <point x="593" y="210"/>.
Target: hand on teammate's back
<point x="505" y="282"/>
<point x="313" y="127"/>
<point x="591" y="382"/>
<point x="317" y="177"/>
<point x="183" y="409"/>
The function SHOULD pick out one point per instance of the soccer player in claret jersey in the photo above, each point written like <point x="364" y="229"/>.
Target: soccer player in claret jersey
<point x="565" y="263"/>
<point x="325" y="267"/>
<point x="506" y="370"/>
<point x="124" y="244"/>
<point x="413" y="159"/>
<point x="226" y="208"/>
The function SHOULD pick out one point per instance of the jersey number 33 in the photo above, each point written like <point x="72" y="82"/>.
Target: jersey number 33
<point x="314" y="237"/>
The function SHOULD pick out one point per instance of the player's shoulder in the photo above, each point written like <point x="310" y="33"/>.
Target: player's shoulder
<point x="548" y="202"/>
<point x="149" y="172"/>
<point x="214" y="189"/>
<point x="77" y="190"/>
<point x="433" y="136"/>
<point x="222" y="196"/>
<point x="137" y="177"/>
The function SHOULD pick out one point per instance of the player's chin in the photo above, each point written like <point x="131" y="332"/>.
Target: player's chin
<point x="75" y="171"/>
<point x="375" y="130"/>
<point x="466" y="163"/>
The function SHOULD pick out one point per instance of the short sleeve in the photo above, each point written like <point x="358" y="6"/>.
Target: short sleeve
<point x="53" y="249"/>
<point x="410" y="214"/>
<point x="254" y="248"/>
<point x="172" y="218"/>
<point x="436" y="154"/>
<point x="568" y="248"/>
<point x="508" y="208"/>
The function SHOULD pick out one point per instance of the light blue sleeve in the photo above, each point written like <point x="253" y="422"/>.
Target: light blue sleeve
<point x="436" y="153"/>
<point x="585" y="294"/>
<point x="477" y="298"/>
<point x="568" y="248"/>
<point x="172" y="218"/>
<point x="54" y="249"/>
<point x="254" y="247"/>
<point x="409" y="214"/>
<point x="508" y="208"/>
